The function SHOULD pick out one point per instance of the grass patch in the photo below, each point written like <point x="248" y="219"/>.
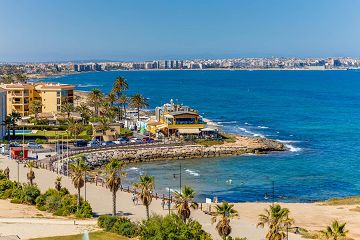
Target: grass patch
<point x="208" y="143"/>
<point x="93" y="236"/>
<point x="343" y="201"/>
<point x="229" y="138"/>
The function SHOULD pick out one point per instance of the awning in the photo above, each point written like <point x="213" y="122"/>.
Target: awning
<point x="188" y="131"/>
<point x="168" y="116"/>
<point x="208" y="130"/>
<point x="161" y="126"/>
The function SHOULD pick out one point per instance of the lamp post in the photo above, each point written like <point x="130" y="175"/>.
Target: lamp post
<point x="169" y="201"/>
<point x="175" y="174"/>
<point x="67" y="153"/>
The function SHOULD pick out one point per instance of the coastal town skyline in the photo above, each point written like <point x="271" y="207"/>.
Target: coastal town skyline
<point x="186" y="30"/>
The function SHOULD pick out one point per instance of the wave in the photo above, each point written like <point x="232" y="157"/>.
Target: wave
<point x="88" y="85"/>
<point x="292" y="148"/>
<point x="246" y="123"/>
<point x="171" y="190"/>
<point x="227" y="122"/>
<point x="133" y="168"/>
<point x="263" y="127"/>
<point x="251" y="133"/>
<point x="192" y="172"/>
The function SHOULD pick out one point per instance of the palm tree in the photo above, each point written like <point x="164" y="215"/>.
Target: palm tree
<point x="225" y="212"/>
<point x="123" y="100"/>
<point x="108" y="110"/>
<point x="104" y="125"/>
<point x="184" y="200"/>
<point x="7" y="123"/>
<point x="145" y="186"/>
<point x="95" y="98"/>
<point x="277" y="219"/>
<point x="120" y="85"/>
<point x="67" y="107"/>
<point x="138" y="101"/>
<point x="73" y="127"/>
<point x="58" y="183"/>
<point x="30" y="175"/>
<point x="35" y="107"/>
<point x="77" y="176"/>
<point x="336" y="231"/>
<point x="14" y="117"/>
<point x="84" y="111"/>
<point x="111" y="98"/>
<point x="113" y="178"/>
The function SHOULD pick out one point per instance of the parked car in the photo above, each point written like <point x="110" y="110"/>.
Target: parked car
<point x="108" y="143"/>
<point x="93" y="143"/>
<point x="122" y="140"/>
<point x="136" y="140"/>
<point x="148" y="140"/>
<point x="60" y="147"/>
<point x="34" y="145"/>
<point x="80" y="143"/>
<point x="14" y="144"/>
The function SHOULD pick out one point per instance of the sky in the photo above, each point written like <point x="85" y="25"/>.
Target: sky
<point x="134" y="30"/>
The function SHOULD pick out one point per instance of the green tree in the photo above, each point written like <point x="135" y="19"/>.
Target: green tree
<point x="184" y="200"/>
<point x="67" y="107"/>
<point x="224" y="212"/>
<point x="113" y="178"/>
<point x="123" y="101"/>
<point x="95" y="98"/>
<point x="104" y="125"/>
<point x="145" y="186"/>
<point x="335" y="231"/>
<point x="84" y="111"/>
<point x="58" y="183"/>
<point x="120" y="85"/>
<point x="35" y="107"/>
<point x="108" y="110"/>
<point x="31" y="174"/>
<point x="7" y="123"/>
<point x="138" y="101"/>
<point x="277" y="219"/>
<point x="171" y="227"/>
<point x="78" y="170"/>
<point x="73" y="127"/>
<point x="14" y="117"/>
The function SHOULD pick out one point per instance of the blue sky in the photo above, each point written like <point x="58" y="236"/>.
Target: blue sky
<point x="45" y="30"/>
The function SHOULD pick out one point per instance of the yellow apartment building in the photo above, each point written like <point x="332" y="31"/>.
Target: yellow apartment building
<point x="21" y="95"/>
<point x="53" y="95"/>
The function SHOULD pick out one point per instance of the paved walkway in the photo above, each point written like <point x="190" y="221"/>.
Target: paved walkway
<point x="100" y="199"/>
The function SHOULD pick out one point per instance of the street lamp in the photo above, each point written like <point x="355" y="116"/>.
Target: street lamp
<point x="178" y="174"/>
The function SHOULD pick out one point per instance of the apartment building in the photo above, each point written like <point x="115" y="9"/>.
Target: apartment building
<point x="52" y="95"/>
<point x="2" y="113"/>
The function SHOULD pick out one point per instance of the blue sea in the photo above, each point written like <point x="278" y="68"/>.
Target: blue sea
<point x="315" y="113"/>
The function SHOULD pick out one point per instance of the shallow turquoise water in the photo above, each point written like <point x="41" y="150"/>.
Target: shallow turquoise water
<point x="317" y="113"/>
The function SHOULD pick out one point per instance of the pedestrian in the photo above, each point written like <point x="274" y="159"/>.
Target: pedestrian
<point x="163" y="203"/>
<point x="96" y="179"/>
<point x="37" y="157"/>
<point x="133" y="198"/>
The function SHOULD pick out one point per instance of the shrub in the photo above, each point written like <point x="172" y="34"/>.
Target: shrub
<point x="40" y="203"/>
<point x="53" y="203"/>
<point x="127" y="229"/>
<point x="40" y="141"/>
<point x="30" y="193"/>
<point x="6" y="188"/>
<point x="84" y="211"/>
<point x="171" y="227"/>
<point x="120" y="225"/>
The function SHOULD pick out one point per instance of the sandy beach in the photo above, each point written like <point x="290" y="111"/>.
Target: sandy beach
<point x="311" y="216"/>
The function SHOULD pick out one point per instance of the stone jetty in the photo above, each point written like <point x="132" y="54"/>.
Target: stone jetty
<point x="243" y="145"/>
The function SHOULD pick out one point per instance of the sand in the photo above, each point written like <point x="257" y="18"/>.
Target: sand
<point x="312" y="216"/>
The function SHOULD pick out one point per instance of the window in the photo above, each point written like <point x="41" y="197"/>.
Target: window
<point x="58" y="94"/>
<point x="58" y="101"/>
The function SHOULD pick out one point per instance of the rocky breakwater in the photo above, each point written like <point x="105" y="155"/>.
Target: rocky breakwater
<point x="243" y="145"/>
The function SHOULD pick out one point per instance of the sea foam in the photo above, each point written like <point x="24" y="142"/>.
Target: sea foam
<point x="192" y="172"/>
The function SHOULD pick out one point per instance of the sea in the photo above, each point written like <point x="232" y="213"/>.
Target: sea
<point x="315" y="113"/>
